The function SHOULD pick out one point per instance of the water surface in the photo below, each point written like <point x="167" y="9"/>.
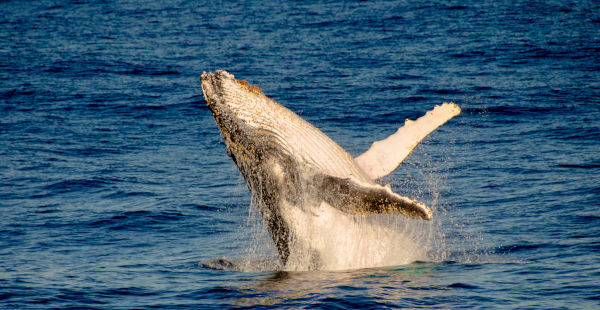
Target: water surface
<point x="116" y="190"/>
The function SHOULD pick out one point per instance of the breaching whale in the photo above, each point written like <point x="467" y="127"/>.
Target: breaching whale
<point x="298" y="176"/>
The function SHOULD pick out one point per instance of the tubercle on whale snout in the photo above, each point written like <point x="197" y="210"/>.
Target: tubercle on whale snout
<point x="221" y="75"/>
<point x="252" y="88"/>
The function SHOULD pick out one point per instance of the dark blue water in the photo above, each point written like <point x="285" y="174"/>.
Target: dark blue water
<point x="116" y="191"/>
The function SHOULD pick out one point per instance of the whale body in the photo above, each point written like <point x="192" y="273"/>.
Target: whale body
<point x="303" y="183"/>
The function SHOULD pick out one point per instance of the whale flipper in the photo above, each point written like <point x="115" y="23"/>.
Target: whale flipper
<point x="354" y="197"/>
<point x="386" y="155"/>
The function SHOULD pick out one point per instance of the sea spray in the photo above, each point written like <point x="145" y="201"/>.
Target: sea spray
<point x="343" y="241"/>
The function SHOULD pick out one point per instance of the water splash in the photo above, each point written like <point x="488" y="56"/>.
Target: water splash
<point x="344" y="241"/>
<point x="341" y="241"/>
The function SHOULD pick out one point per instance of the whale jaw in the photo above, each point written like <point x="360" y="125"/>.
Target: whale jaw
<point x="291" y="166"/>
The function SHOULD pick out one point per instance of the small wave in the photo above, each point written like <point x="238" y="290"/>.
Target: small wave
<point x="568" y="133"/>
<point x="514" y="110"/>
<point x="151" y="72"/>
<point x="463" y="285"/>
<point x="124" y="194"/>
<point x="579" y="166"/>
<point x="585" y="220"/>
<point x="405" y="77"/>
<point x="415" y="99"/>
<point x="149" y="107"/>
<point x="127" y="291"/>
<point x="75" y="185"/>
<point x="15" y="93"/>
<point x="456" y="8"/>
<point x="138" y="220"/>
<point x="468" y="54"/>
<point x="441" y="91"/>
<point x="95" y="151"/>
<point x="518" y="248"/>
<point x="542" y="53"/>
<point x="201" y="207"/>
<point x="100" y="67"/>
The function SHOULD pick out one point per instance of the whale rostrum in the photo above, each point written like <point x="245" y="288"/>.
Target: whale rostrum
<point x="290" y="166"/>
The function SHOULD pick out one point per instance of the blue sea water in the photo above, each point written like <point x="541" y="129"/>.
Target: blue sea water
<point x="116" y="191"/>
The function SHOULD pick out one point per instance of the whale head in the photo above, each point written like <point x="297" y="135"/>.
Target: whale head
<point x="236" y="107"/>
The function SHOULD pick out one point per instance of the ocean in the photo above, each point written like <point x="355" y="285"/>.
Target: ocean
<point x="116" y="191"/>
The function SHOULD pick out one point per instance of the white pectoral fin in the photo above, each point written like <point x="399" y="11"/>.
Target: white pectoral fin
<point x="384" y="156"/>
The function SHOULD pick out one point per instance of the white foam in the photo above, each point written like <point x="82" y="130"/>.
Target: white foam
<point x="343" y="241"/>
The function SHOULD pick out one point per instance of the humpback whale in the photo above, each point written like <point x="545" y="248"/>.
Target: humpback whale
<point x="300" y="177"/>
